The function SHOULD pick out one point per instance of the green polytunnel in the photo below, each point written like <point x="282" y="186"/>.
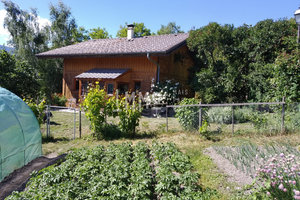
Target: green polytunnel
<point x="20" y="136"/>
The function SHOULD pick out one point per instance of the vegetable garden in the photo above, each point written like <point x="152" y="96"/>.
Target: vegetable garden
<point x="120" y="171"/>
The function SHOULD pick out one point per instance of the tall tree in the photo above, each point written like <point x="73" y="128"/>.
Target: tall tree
<point x="245" y="63"/>
<point x="27" y="39"/>
<point x="99" y="33"/>
<point x="170" y="28"/>
<point x="81" y="34"/>
<point x="63" y="26"/>
<point x="26" y="36"/>
<point x="139" y="30"/>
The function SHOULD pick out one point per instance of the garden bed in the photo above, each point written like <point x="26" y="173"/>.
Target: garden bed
<point x="120" y="171"/>
<point x="17" y="180"/>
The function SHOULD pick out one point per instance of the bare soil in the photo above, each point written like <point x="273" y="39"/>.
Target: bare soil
<point x="234" y="174"/>
<point x="18" y="179"/>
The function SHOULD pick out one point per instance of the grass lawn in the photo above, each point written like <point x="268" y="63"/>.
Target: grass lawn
<point x="154" y="129"/>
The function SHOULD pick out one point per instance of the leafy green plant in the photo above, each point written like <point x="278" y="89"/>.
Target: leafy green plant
<point x="117" y="171"/>
<point x="58" y="100"/>
<point x="98" y="106"/>
<point x="37" y="108"/>
<point x="188" y="116"/>
<point x="221" y="115"/>
<point x="174" y="176"/>
<point x="203" y="129"/>
<point x="129" y="115"/>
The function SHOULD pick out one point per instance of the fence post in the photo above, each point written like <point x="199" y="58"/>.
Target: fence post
<point x="282" y="116"/>
<point x="74" y="123"/>
<point x="48" y="121"/>
<point x="200" y="116"/>
<point x="167" y="119"/>
<point x="79" y="123"/>
<point x="232" y="119"/>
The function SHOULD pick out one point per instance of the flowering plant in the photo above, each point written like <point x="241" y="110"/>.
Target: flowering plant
<point x="165" y="92"/>
<point x="279" y="177"/>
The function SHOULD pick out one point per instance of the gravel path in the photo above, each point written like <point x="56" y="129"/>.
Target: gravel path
<point x="234" y="175"/>
<point x="17" y="180"/>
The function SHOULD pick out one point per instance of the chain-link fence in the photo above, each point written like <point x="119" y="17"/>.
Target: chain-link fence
<point x="63" y="122"/>
<point x="238" y="118"/>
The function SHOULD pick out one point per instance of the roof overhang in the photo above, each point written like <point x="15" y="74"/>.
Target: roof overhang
<point x="99" y="73"/>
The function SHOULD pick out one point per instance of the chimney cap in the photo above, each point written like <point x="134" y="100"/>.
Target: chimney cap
<point x="130" y="26"/>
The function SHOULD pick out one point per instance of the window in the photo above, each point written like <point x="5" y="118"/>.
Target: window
<point x="110" y="88"/>
<point x="101" y="85"/>
<point x="137" y="86"/>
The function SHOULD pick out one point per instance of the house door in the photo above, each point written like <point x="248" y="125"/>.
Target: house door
<point x="122" y="88"/>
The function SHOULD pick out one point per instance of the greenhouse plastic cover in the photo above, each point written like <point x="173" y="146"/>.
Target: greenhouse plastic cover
<point x="20" y="136"/>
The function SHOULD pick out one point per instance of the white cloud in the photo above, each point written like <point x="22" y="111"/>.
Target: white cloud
<point x="5" y="35"/>
<point x="43" y="22"/>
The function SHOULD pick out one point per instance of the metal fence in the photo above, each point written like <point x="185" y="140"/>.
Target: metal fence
<point x="68" y="117"/>
<point x="270" y="118"/>
<point x="267" y="117"/>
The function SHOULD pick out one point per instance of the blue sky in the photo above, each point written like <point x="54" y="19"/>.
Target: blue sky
<point x="110" y="14"/>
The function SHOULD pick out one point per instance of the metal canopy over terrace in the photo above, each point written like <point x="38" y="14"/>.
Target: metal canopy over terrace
<point x="106" y="77"/>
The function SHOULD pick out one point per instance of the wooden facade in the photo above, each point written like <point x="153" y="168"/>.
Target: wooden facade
<point x="173" y="66"/>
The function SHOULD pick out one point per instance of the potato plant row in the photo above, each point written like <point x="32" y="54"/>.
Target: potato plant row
<point x="174" y="176"/>
<point x="120" y="171"/>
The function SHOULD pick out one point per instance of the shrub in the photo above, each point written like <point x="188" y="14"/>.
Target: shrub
<point x="97" y="106"/>
<point x="58" y="100"/>
<point x="38" y="109"/>
<point x="223" y="115"/>
<point x="108" y="132"/>
<point x="129" y="115"/>
<point x="188" y="116"/>
<point x="279" y="178"/>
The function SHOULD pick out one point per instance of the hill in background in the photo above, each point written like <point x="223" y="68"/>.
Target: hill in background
<point x="6" y="48"/>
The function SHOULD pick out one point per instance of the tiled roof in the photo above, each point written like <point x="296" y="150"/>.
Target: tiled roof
<point x="158" y="44"/>
<point x="102" y="73"/>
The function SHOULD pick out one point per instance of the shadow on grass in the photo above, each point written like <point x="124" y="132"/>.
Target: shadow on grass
<point x="54" y="123"/>
<point x="112" y="132"/>
<point x="213" y="136"/>
<point x="46" y="139"/>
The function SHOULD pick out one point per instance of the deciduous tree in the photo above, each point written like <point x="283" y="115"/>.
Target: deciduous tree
<point x="170" y="28"/>
<point x="139" y="30"/>
<point x="99" y="33"/>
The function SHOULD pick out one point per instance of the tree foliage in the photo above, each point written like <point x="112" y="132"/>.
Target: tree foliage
<point x="28" y="39"/>
<point x="17" y="76"/>
<point x="239" y="64"/>
<point x="64" y="27"/>
<point x="99" y="33"/>
<point x="170" y="28"/>
<point x="139" y="30"/>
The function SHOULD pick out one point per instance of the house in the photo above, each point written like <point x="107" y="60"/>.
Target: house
<point x="123" y="63"/>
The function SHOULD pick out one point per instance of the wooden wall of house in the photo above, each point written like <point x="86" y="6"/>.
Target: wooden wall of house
<point x="175" y="67"/>
<point x="141" y="69"/>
